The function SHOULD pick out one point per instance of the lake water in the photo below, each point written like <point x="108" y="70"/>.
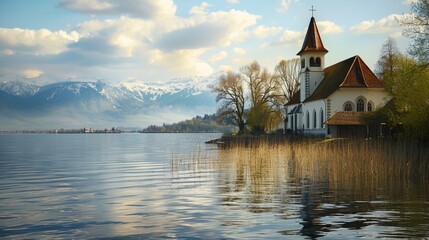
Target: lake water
<point x="156" y="186"/>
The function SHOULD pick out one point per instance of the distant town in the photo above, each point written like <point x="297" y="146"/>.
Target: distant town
<point x="65" y="131"/>
<point x="198" y="124"/>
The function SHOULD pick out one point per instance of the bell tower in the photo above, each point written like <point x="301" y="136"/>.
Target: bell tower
<point x="312" y="56"/>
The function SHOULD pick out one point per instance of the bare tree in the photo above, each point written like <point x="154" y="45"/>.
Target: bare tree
<point x="287" y="72"/>
<point x="263" y="86"/>
<point x="263" y="94"/>
<point x="251" y="74"/>
<point x="416" y="27"/>
<point x="388" y="57"/>
<point x="231" y="93"/>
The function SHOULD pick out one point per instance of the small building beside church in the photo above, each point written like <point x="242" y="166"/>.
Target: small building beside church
<point x="333" y="101"/>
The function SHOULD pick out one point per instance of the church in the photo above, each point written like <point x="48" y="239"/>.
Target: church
<point x="333" y="101"/>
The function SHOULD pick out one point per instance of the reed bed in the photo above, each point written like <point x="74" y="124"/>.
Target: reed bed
<point x="328" y="183"/>
<point x="354" y="165"/>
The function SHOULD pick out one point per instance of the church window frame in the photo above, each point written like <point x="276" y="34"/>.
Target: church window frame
<point x="296" y="122"/>
<point x="321" y="118"/>
<point x="370" y="106"/>
<point x="348" y="106"/>
<point x="307" y="119"/>
<point x="314" y="119"/>
<point x="360" y="105"/>
<point x="315" y="62"/>
<point x="318" y="61"/>
<point x="302" y="62"/>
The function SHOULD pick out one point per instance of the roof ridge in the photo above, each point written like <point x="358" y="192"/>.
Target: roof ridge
<point x="365" y="67"/>
<point x="348" y="71"/>
<point x="361" y="70"/>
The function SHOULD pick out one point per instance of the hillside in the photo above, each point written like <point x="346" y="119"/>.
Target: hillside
<point x="198" y="124"/>
<point x="96" y="104"/>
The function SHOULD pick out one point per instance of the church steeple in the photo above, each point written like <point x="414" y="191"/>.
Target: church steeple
<point x="312" y="55"/>
<point x="313" y="41"/>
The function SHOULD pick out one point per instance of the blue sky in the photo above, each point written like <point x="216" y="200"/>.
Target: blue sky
<point x="86" y="40"/>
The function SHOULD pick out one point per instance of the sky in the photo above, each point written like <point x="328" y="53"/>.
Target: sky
<point x="48" y="41"/>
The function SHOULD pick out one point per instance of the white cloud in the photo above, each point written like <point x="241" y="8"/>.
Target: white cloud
<point x="218" y="57"/>
<point x="239" y="51"/>
<point x="288" y="37"/>
<point x="263" y="31"/>
<point x="328" y="27"/>
<point x="147" y="9"/>
<point x="200" y="10"/>
<point x="173" y="46"/>
<point x="7" y="52"/>
<point x="123" y="36"/>
<point x="384" y="25"/>
<point x="284" y="5"/>
<point x="32" y="73"/>
<point x="291" y="36"/>
<point x="233" y="1"/>
<point x="40" y="42"/>
<point x="202" y="31"/>
<point x="225" y="68"/>
<point x="212" y="30"/>
<point x="181" y="62"/>
<point x="117" y="48"/>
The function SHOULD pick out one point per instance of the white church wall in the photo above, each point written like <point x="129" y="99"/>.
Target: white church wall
<point x="290" y="117"/>
<point x="315" y="72"/>
<point x="378" y="97"/>
<point x="314" y="109"/>
<point x="316" y="78"/>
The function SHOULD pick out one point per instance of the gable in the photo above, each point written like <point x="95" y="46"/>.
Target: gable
<point x="360" y="75"/>
<point x="350" y="73"/>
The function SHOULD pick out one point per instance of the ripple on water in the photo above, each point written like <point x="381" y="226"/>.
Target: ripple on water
<point x="171" y="186"/>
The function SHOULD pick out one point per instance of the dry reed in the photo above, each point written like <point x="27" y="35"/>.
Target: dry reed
<point x="355" y="165"/>
<point x="345" y="164"/>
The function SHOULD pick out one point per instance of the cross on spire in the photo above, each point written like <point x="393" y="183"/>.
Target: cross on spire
<point x="312" y="10"/>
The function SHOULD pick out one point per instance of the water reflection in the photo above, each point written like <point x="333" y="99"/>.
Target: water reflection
<point x="175" y="187"/>
<point x="273" y="184"/>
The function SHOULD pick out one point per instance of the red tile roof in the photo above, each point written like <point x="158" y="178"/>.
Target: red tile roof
<point x="312" y="41"/>
<point x="360" y="75"/>
<point x="350" y="73"/>
<point x="348" y="118"/>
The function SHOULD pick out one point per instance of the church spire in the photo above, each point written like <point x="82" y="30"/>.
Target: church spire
<point x="312" y="41"/>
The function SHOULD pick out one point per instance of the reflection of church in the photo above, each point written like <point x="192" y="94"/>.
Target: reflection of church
<point x="332" y="101"/>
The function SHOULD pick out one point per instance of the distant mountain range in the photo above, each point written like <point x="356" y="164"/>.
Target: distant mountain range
<point x="100" y="104"/>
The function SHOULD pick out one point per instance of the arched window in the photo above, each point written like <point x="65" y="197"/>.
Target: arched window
<point x="318" y="61"/>
<point x="308" y="120"/>
<point x="369" y="107"/>
<point x="314" y="119"/>
<point x="303" y="63"/>
<point x="348" y="107"/>
<point x="321" y="118"/>
<point x="291" y="122"/>
<point x="296" y="122"/>
<point x="312" y="62"/>
<point x="360" y="105"/>
<point x="315" y="62"/>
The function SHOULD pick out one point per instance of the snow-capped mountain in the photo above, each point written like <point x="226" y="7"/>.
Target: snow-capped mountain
<point x="18" y="88"/>
<point x="89" y="102"/>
